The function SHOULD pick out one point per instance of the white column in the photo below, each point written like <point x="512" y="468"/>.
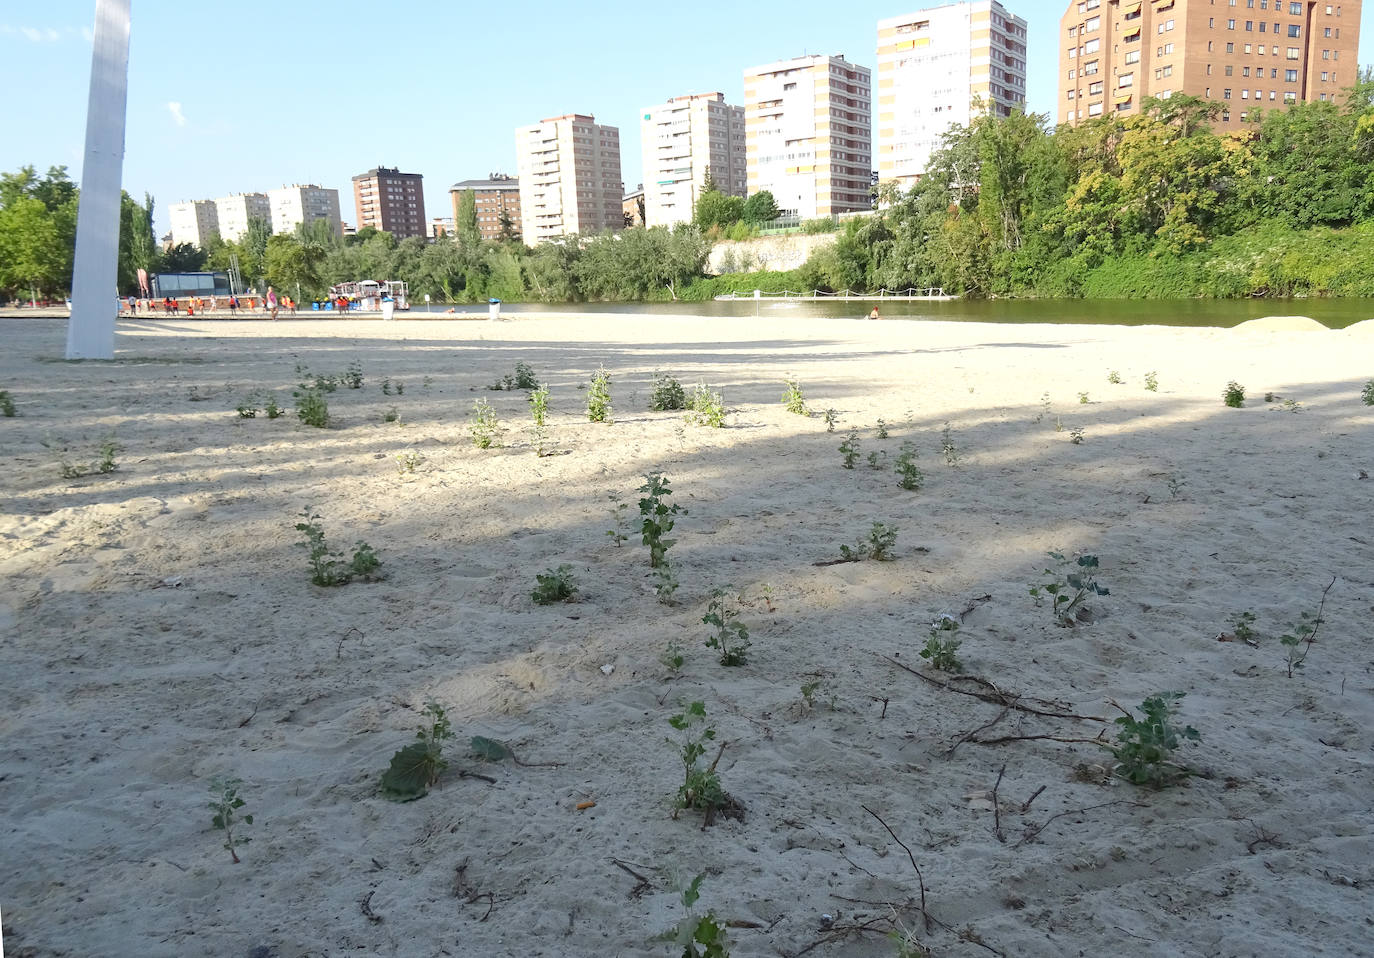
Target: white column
<point x="91" y="329"/>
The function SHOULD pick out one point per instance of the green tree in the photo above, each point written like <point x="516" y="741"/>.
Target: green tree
<point x="760" y="208"/>
<point x="184" y="258"/>
<point x="716" y="210"/>
<point x="31" y="252"/>
<point x="465" y="219"/>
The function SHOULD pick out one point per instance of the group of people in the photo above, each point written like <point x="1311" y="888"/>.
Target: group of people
<point x="270" y="305"/>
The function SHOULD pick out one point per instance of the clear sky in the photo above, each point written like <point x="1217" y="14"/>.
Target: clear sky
<point x="252" y="95"/>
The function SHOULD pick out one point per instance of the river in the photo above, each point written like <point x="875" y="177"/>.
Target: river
<point x="1332" y="313"/>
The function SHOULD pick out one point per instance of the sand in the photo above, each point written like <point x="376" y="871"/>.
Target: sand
<point x="160" y="629"/>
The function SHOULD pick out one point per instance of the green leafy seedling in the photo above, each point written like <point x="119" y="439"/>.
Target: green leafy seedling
<point x="1366" y="395"/>
<point x="1152" y="381"/>
<point x="793" y="399"/>
<point x="831" y="417"/>
<point x="701" y="789"/>
<point x="226" y="805"/>
<point x="882" y="429"/>
<point x="667" y="394"/>
<point x="482" y="425"/>
<point x="699" y="936"/>
<point x="1114" y="377"/>
<point x="599" y="397"/>
<point x="849" y="450"/>
<point x="706" y="408"/>
<point x="555" y="585"/>
<point x="539" y="412"/>
<point x="657" y="517"/>
<point x="1234" y="396"/>
<point x="910" y="475"/>
<point x="311" y="407"/>
<point x="731" y="637"/>
<point x="415" y="768"/>
<point x="876" y="545"/>
<point x="7" y="404"/>
<point x="1069" y="587"/>
<point x="942" y="645"/>
<point x="1145" y="746"/>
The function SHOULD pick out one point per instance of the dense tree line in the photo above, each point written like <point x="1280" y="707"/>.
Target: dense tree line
<point x="1150" y="205"/>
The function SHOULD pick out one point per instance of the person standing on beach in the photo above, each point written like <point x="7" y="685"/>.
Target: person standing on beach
<point x="214" y="303"/>
<point x="233" y="305"/>
<point x="272" y="301"/>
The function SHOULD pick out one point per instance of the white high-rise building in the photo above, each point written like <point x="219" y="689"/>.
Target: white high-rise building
<point x="293" y="205"/>
<point x="683" y="139"/>
<point x="939" y="67"/>
<point x="570" y="179"/>
<point x="808" y="130"/>
<point x="194" y="222"/>
<point x="235" y="211"/>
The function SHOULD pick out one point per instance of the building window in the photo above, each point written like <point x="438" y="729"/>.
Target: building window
<point x="1095" y="88"/>
<point x="1245" y="71"/>
<point x="1069" y="96"/>
<point x="1230" y="48"/>
<point x="1132" y="56"/>
<point x="1090" y="68"/>
<point x="1225" y="116"/>
<point x="1294" y="31"/>
<point x="1211" y="23"/>
<point x="1226" y="93"/>
<point x="1229" y="69"/>
<point x="1095" y="109"/>
<point x="1209" y="69"/>
<point x="1168" y="49"/>
<point x="1247" y="48"/>
<point x="1093" y="23"/>
<point x="1263" y="26"/>
<point x="1230" y="24"/>
<point x="1249" y="26"/>
<point x="1125" y="80"/>
<point x="1209" y="46"/>
<point x="1245" y="94"/>
<point x="1295" y="9"/>
<point x="1208" y="93"/>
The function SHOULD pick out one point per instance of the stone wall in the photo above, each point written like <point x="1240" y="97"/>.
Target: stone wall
<point x="784" y="252"/>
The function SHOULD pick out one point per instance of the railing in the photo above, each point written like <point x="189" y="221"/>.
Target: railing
<point x="910" y="293"/>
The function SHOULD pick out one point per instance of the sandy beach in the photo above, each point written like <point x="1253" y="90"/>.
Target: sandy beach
<point x="159" y="630"/>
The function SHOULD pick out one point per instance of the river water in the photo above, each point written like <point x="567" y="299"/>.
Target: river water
<point x="1332" y="313"/>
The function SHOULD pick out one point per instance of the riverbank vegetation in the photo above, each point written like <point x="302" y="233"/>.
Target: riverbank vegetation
<point x="1155" y="205"/>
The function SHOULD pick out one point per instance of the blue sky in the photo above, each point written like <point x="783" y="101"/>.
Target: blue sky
<point x="254" y="94"/>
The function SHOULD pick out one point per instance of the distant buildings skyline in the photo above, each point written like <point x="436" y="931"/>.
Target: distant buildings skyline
<point x="818" y="131"/>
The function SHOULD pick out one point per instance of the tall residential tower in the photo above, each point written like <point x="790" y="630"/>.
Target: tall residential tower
<point x="939" y="67"/>
<point x="1244" y="54"/>
<point x="683" y="139"/>
<point x="569" y="177"/>
<point x="808" y="134"/>
<point x="391" y="201"/>
<point x="295" y="205"/>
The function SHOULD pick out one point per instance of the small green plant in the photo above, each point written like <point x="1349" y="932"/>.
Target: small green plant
<point x="400" y="388"/>
<point x="272" y="409"/>
<point x="1152" y="381"/>
<point x="731" y="637"/>
<point x="877" y="545"/>
<point x="386" y="386"/>
<point x="700" y="936"/>
<point x="539" y="412"/>
<point x="392" y="414"/>
<point x="849" y="449"/>
<point x="1242" y="627"/>
<point x="1146" y="746"/>
<point x="524" y="377"/>
<point x="1114" y="378"/>
<point x="766" y="594"/>
<point x="7" y="404"/>
<point x="815" y="690"/>
<point x="657" y="517"/>
<point x="947" y="446"/>
<point x="320" y="383"/>
<point x="1270" y="397"/>
<point x="1175" y="482"/>
<point x="793" y="400"/>
<point x="1045" y="407"/>
<point x="353" y="375"/>
<point x="667" y="394"/>
<point x="247" y="409"/>
<point x="618" y="509"/>
<point x="599" y="397"/>
<point x="875" y="459"/>
<point x="482" y="424"/>
<point x="1083" y="398"/>
<point x="311" y="407"/>
<point x="665" y="583"/>
<point x="942" y="645"/>
<point x="407" y="462"/>
<point x="226" y="804"/>
<point x="1292" y="405"/>
<point x="415" y="768"/>
<point x="706" y="408"/>
<point x="328" y="568"/>
<point x="107" y="463"/>
<point x="1069" y="587"/>
<point x="427" y="382"/>
<point x="831" y="417"/>
<point x="882" y="429"/>
<point x="701" y="789"/>
<point x="673" y="657"/>
<point x="911" y="476"/>
<point x="1366" y="395"/>
<point x="554" y="585"/>
<point x="1076" y="435"/>
<point x="1234" y="396"/>
<point x="1299" y="638"/>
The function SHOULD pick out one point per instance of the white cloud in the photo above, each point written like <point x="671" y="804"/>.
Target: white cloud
<point x="174" y="108"/>
<point x="37" y="35"/>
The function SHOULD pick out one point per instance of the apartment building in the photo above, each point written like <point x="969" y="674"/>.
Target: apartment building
<point x="236" y="210"/>
<point x="1246" y="55"/>
<point x="939" y="67"/>
<point x="569" y="177"/>
<point x="808" y="134"/>
<point x="681" y="140"/>
<point x="391" y="201"/>
<point x="497" y="198"/>
<point x="194" y="222"/>
<point x="296" y="204"/>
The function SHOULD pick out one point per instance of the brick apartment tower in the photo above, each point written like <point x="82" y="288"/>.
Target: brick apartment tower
<point x="391" y="201"/>
<point x="681" y="140"/>
<point x="932" y="66"/>
<point x="1243" y="54"/>
<point x="569" y="177"/>
<point x="809" y="135"/>
<point x="495" y="195"/>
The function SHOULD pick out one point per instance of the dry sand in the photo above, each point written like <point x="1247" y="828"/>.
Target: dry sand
<point x="159" y="629"/>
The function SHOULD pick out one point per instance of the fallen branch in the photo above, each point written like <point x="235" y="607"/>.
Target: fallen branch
<point x="644" y="883"/>
<point x="1036" y="830"/>
<point x="996" y="808"/>
<point x="366" y="906"/>
<point x="969" y="736"/>
<point x="920" y="879"/>
<point x="995" y="696"/>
